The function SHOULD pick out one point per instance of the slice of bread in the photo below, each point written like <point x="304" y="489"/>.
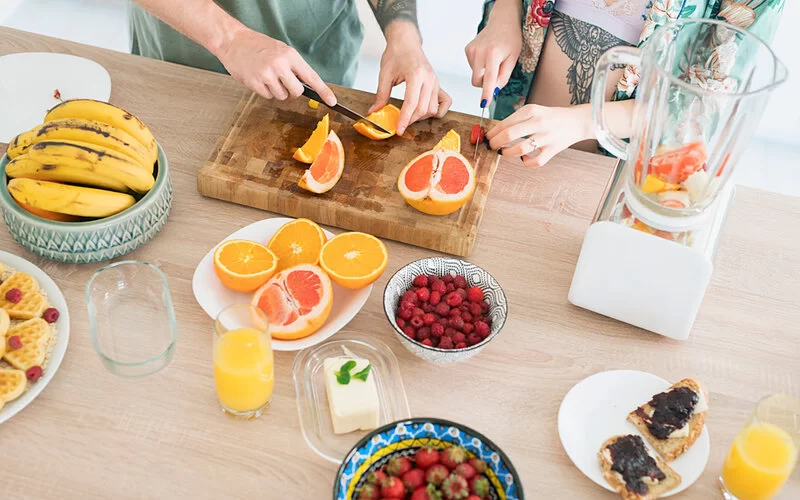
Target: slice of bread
<point x="672" y="448"/>
<point x="615" y="479"/>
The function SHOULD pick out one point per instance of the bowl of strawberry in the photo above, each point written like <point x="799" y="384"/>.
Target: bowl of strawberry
<point x="444" y="310"/>
<point x="426" y="459"/>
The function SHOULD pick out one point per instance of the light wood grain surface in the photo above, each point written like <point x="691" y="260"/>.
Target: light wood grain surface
<point x="93" y="435"/>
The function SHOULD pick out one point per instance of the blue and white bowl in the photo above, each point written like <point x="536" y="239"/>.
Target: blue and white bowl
<point x="405" y="437"/>
<point x="439" y="266"/>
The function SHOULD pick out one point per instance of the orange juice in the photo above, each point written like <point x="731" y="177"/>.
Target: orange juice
<point x="759" y="462"/>
<point x="243" y="369"/>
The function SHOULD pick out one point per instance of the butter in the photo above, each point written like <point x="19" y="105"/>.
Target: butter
<point x="354" y="405"/>
<point x="701" y="405"/>
<point x="680" y="433"/>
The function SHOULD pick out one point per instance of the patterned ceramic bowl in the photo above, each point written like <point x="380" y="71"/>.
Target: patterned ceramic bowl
<point x="405" y="437"/>
<point x="94" y="241"/>
<point x="439" y="266"/>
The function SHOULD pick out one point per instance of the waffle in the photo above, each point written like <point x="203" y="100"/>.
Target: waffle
<point x="35" y="335"/>
<point x="33" y="303"/>
<point x="12" y="385"/>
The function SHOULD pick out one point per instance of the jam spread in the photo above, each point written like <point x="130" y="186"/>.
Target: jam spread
<point x="630" y="458"/>
<point x="673" y="409"/>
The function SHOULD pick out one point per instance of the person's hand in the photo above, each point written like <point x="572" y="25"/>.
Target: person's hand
<point x="544" y="132"/>
<point x="404" y="61"/>
<point x="493" y="54"/>
<point x="270" y="68"/>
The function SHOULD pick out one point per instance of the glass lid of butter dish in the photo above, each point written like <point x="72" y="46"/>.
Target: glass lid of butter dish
<point x="346" y="388"/>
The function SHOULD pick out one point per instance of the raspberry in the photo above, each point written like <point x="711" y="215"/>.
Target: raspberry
<point x="432" y="278"/>
<point x="484" y="307"/>
<point x="423" y="333"/>
<point x="409" y="332"/>
<point x="439" y="286"/>
<point x="442" y="309"/>
<point x="446" y="343"/>
<point x="473" y="338"/>
<point x="443" y="321"/>
<point x="14" y="295"/>
<point x="50" y="315"/>
<point x="475" y="294"/>
<point x="420" y="281"/>
<point x="475" y="309"/>
<point x="427" y="342"/>
<point x="435" y="298"/>
<point x="15" y="342"/>
<point x="459" y="338"/>
<point x="437" y="330"/>
<point x="454" y="313"/>
<point x="457" y="323"/>
<point x="460" y="282"/>
<point x="418" y="312"/>
<point x="462" y="345"/>
<point x="423" y="294"/>
<point x="447" y="278"/>
<point x="449" y="332"/>
<point x="453" y="299"/>
<point x="400" y="322"/>
<point x="434" y="341"/>
<point x="462" y="293"/>
<point x="33" y="373"/>
<point x="429" y="319"/>
<point x="409" y="296"/>
<point x="406" y="313"/>
<point x="482" y="329"/>
<point x="468" y="328"/>
<point x="451" y="287"/>
<point x="416" y="322"/>
<point x="427" y="308"/>
<point x="467" y="317"/>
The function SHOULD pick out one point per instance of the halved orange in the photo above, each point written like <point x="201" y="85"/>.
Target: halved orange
<point x="437" y="182"/>
<point x="386" y="117"/>
<point x="244" y="265"/>
<point x="297" y="301"/>
<point x="354" y="260"/>
<point x="309" y="151"/>
<point x="451" y="141"/>
<point x="327" y="168"/>
<point x="297" y="242"/>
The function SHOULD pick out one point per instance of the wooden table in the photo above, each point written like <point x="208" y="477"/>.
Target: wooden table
<point x="93" y="435"/>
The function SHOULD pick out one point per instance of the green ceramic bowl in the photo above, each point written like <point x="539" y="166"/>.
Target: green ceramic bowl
<point x="93" y="241"/>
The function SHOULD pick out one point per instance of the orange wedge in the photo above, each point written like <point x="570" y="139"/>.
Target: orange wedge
<point x="451" y="141"/>
<point x="354" y="260"/>
<point x="327" y="168"/>
<point x="244" y="265"/>
<point x="297" y="242"/>
<point x="437" y="182"/>
<point x="386" y="117"/>
<point x="309" y="151"/>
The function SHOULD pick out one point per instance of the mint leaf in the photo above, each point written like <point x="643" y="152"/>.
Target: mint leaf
<point x="343" y="375"/>
<point x="363" y="374"/>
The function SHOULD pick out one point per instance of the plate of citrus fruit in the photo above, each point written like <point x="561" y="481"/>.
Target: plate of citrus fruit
<point x="309" y="282"/>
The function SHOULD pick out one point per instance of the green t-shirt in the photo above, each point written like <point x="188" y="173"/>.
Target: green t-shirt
<point x="327" y="33"/>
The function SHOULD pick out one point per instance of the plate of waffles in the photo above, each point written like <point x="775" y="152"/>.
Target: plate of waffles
<point x="34" y="329"/>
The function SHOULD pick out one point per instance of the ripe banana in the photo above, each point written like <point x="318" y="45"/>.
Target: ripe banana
<point x="101" y="176"/>
<point x="103" y="161"/>
<point x="83" y="130"/>
<point x="66" y="199"/>
<point x="109" y="114"/>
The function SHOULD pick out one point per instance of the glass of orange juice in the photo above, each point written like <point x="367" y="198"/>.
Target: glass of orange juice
<point x="244" y="372"/>
<point x="764" y="452"/>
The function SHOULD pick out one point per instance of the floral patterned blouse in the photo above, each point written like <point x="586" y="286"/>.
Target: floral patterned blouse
<point x="758" y="16"/>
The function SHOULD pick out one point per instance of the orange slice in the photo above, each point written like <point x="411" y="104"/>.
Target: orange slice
<point x="451" y="141"/>
<point x="297" y="301"/>
<point x="297" y="242"/>
<point x="244" y="265"/>
<point x="309" y="151"/>
<point x="386" y="117"/>
<point x="354" y="260"/>
<point x="327" y="168"/>
<point x="437" y="182"/>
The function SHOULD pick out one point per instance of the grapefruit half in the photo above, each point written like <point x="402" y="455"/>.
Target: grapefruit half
<point x="437" y="182"/>
<point x="327" y="168"/>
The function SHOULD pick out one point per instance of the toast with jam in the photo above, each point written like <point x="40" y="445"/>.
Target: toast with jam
<point x="633" y="471"/>
<point x="672" y="420"/>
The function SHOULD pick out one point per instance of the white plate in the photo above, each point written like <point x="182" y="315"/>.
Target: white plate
<point x="595" y="409"/>
<point x="28" y="80"/>
<point x="213" y="297"/>
<point x="56" y="299"/>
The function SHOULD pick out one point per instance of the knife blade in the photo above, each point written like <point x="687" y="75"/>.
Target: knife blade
<point x="312" y="94"/>
<point x="480" y="124"/>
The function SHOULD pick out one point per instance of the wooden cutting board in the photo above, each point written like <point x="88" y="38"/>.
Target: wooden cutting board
<point x="252" y="165"/>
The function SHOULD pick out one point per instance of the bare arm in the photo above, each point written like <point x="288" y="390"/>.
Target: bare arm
<point x="619" y="115"/>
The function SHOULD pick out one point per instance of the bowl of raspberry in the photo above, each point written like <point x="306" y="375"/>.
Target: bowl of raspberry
<point x="444" y="310"/>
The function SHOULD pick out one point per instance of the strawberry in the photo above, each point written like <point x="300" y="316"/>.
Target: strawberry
<point x="453" y="457"/>
<point x="479" y="486"/>
<point x="436" y="474"/>
<point x="368" y="492"/>
<point x="478" y="464"/>
<point x="426" y="457"/>
<point x="392" y="488"/>
<point x="466" y="471"/>
<point x="426" y="493"/>
<point x="455" y="488"/>
<point x="414" y="479"/>
<point x="420" y="281"/>
<point x="376" y="477"/>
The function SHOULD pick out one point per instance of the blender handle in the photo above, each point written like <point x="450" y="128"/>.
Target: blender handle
<point x="613" y="56"/>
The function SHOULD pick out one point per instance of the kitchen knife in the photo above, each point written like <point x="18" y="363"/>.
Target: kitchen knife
<point x="311" y="94"/>
<point x="480" y="124"/>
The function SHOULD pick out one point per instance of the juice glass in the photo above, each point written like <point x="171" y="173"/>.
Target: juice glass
<point x="244" y="373"/>
<point x="764" y="453"/>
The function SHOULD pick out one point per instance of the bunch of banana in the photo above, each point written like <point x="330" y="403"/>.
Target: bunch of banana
<point x="85" y="160"/>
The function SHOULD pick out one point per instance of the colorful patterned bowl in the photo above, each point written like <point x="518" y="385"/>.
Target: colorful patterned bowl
<point x="405" y="437"/>
<point x="94" y="241"/>
<point x="439" y="266"/>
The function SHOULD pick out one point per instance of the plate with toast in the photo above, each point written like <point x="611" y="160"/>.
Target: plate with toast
<point x="34" y="328"/>
<point x="635" y="433"/>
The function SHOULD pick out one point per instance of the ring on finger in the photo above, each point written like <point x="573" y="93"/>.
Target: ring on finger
<point x="534" y="146"/>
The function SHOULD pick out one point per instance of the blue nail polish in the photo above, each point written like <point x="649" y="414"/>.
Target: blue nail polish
<point x="496" y="91"/>
<point x="483" y="103"/>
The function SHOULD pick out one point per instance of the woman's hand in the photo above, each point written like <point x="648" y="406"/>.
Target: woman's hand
<point x="545" y="132"/>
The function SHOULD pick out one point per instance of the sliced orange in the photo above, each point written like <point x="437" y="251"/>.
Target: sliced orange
<point x="451" y="141"/>
<point x="437" y="182"/>
<point x="386" y="117"/>
<point x="297" y="242"/>
<point x="309" y="151"/>
<point x="354" y="260"/>
<point x="297" y="301"/>
<point x="244" y="265"/>
<point x="327" y="168"/>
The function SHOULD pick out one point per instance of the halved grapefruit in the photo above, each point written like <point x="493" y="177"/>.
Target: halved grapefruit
<point x="309" y="151"/>
<point x="297" y="301"/>
<point x="327" y="168"/>
<point x="437" y="182"/>
<point x="386" y="117"/>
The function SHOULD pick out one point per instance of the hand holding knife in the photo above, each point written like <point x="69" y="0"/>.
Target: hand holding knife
<point x="311" y="94"/>
<point x="480" y="125"/>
